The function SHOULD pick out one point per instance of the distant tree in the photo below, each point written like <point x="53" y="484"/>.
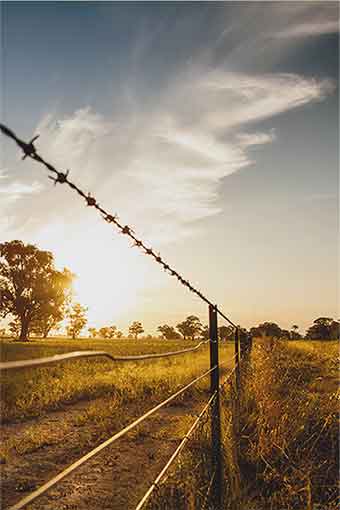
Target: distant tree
<point x="112" y="331"/>
<point x="168" y="332"/>
<point x="31" y="289"/>
<point x="335" y="330"/>
<point x="285" y="334"/>
<point x="294" y="334"/>
<point x="119" y="334"/>
<point x="93" y="332"/>
<point x="226" y="332"/>
<point x="136" y="329"/>
<point x="190" y="328"/>
<point x="77" y="320"/>
<point x="104" y="332"/>
<point x="270" y="329"/>
<point x="3" y="332"/>
<point x="205" y="332"/>
<point x="322" y="329"/>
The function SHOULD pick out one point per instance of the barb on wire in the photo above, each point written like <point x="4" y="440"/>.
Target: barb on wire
<point x="50" y="360"/>
<point x="59" y="177"/>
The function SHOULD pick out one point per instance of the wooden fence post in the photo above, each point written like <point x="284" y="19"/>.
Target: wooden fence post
<point x="217" y="487"/>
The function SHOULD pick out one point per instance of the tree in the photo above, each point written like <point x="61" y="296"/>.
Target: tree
<point x="205" y="332"/>
<point x="2" y="332"/>
<point x="93" y="332"/>
<point x="266" y="329"/>
<point x="108" y="332"/>
<point x="294" y="334"/>
<point x="168" y="332"/>
<point x="30" y="286"/>
<point x="77" y="320"/>
<point x="285" y="334"/>
<point x="50" y="317"/>
<point x="112" y="331"/>
<point x="191" y="327"/>
<point x="136" y="329"/>
<point x="321" y="329"/>
<point x="335" y="330"/>
<point x="119" y="334"/>
<point x="226" y="332"/>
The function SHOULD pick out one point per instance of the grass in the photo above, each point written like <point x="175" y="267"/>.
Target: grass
<point x="289" y="442"/>
<point x="286" y="456"/>
<point x="30" y="392"/>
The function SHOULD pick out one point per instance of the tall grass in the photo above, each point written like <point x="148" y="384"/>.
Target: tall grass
<point x="289" y="442"/>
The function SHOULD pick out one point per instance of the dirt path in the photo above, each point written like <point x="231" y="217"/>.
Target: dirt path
<point x="115" y="479"/>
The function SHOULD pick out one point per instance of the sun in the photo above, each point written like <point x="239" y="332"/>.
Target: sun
<point x="110" y="275"/>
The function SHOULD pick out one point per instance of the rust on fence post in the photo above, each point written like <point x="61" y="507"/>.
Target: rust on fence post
<point x="215" y="412"/>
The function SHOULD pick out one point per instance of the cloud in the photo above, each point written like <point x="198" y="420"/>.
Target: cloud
<point x="309" y="29"/>
<point x="162" y="169"/>
<point x="251" y="98"/>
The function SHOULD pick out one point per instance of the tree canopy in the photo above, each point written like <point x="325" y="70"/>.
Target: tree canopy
<point x="190" y="327"/>
<point x="31" y="289"/>
<point x="77" y="319"/>
<point x="168" y="332"/>
<point x="136" y="329"/>
<point x="324" y="328"/>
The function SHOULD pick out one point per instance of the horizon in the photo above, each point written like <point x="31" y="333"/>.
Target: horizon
<point x="220" y="147"/>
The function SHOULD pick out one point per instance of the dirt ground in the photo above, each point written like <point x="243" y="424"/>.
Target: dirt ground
<point x="115" y="479"/>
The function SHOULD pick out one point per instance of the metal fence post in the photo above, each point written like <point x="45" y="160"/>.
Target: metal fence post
<point x="215" y="412"/>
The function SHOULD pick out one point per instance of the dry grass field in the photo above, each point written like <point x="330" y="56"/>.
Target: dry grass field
<point x="285" y="456"/>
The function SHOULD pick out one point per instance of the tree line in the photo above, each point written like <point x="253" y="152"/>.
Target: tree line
<point x="38" y="298"/>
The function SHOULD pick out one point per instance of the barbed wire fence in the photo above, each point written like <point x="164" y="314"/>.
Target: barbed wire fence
<point x="242" y="343"/>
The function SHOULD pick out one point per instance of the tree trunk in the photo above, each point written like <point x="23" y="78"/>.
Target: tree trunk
<point x="24" y="330"/>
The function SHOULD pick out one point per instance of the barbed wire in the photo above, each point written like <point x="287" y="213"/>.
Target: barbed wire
<point x="59" y="177"/>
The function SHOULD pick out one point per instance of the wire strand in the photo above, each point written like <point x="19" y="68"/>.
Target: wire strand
<point x="50" y="360"/>
<point x="176" y="453"/>
<point x="46" y="486"/>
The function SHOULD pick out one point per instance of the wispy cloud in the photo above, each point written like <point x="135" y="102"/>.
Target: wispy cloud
<point x="162" y="169"/>
<point x="309" y="29"/>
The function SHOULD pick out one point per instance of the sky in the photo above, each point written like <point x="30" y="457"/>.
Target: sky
<point x="211" y="128"/>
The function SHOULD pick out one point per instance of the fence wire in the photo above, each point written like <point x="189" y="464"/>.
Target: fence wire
<point x="51" y="360"/>
<point x="59" y="177"/>
<point x="174" y="456"/>
<point x="46" y="486"/>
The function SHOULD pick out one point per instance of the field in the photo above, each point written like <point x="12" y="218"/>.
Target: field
<point x="61" y="411"/>
<point x="285" y="456"/>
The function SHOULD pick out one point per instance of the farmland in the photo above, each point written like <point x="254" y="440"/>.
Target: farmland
<point x="287" y="448"/>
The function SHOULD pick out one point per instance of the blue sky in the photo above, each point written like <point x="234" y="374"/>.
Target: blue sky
<point x="210" y="127"/>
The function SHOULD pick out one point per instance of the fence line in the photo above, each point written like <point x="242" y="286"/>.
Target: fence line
<point x="30" y="151"/>
<point x="180" y="447"/>
<point x="46" y="486"/>
<point x="50" y="360"/>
